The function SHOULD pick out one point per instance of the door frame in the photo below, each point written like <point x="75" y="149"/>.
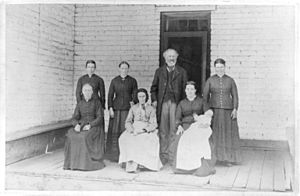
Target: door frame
<point x="203" y="35"/>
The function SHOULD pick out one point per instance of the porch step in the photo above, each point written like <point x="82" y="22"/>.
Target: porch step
<point x="256" y="173"/>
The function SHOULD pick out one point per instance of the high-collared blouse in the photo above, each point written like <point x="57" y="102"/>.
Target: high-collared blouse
<point x="98" y="86"/>
<point x="121" y="92"/>
<point x="186" y="109"/>
<point x="221" y="92"/>
<point x="88" y="112"/>
<point x="139" y="113"/>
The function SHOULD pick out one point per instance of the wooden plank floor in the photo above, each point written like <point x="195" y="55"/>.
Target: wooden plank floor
<point x="260" y="170"/>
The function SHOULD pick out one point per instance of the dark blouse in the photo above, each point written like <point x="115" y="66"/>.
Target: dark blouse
<point x="121" y="92"/>
<point x="186" y="109"/>
<point x="221" y="92"/>
<point x="89" y="112"/>
<point x="97" y="84"/>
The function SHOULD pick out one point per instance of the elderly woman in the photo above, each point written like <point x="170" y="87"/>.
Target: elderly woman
<point x="191" y="147"/>
<point x="139" y="144"/>
<point x="221" y="93"/>
<point x="84" y="145"/>
<point x="120" y="98"/>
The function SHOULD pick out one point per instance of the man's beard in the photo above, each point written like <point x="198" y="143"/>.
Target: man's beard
<point x="171" y="63"/>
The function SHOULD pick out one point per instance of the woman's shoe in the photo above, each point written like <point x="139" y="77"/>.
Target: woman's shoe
<point x="131" y="167"/>
<point x="212" y="172"/>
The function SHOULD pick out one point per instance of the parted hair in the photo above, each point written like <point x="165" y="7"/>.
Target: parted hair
<point x="219" y="60"/>
<point x="124" y="62"/>
<point x="90" y="61"/>
<point x="136" y="100"/>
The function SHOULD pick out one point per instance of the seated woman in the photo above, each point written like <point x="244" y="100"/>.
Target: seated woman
<point x="84" y="145"/>
<point x="191" y="146"/>
<point x="139" y="144"/>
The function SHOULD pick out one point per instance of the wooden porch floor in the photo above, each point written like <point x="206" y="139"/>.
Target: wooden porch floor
<point x="261" y="170"/>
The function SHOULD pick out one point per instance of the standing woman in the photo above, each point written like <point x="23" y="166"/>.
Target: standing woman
<point x="97" y="84"/>
<point x="220" y="92"/>
<point x="120" y="98"/>
<point x="94" y="80"/>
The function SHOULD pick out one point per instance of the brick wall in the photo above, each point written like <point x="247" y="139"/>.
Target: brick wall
<point x="110" y="34"/>
<point x="39" y="65"/>
<point x="257" y="43"/>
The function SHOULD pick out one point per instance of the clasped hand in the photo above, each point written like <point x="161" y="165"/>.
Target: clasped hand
<point x="85" y="128"/>
<point x="136" y="132"/>
<point x="180" y="130"/>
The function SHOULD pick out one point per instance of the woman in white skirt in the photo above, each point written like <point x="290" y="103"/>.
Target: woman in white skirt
<point x="191" y="147"/>
<point x="139" y="144"/>
<point x="195" y="137"/>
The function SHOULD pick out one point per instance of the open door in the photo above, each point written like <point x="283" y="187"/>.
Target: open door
<point x="188" y="34"/>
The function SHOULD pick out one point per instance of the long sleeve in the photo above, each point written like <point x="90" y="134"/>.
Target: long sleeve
<point x="129" y="120"/>
<point x="206" y="95"/>
<point x="102" y="92"/>
<point x="134" y="89"/>
<point x="234" y="93"/>
<point x="154" y="87"/>
<point x="78" y="90"/>
<point x="76" y="116"/>
<point x="111" y="93"/>
<point x="98" y="120"/>
<point x="205" y="106"/>
<point x="152" y="123"/>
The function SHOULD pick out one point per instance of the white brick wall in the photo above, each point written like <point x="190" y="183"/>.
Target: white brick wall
<point x="39" y="65"/>
<point x="257" y="44"/>
<point x="256" y="41"/>
<point x="110" y="34"/>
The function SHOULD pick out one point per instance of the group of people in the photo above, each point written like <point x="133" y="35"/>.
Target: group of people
<point x="179" y="130"/>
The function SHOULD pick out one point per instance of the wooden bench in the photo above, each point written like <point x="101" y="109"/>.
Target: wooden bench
<point x="35" y="141"/>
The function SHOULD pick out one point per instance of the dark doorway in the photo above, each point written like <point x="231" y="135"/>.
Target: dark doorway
<point x="189" y="34"/>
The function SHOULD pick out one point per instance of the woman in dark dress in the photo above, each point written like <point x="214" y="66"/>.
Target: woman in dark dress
<point x="120" y="98"/>
<point x="187" y="113"/>
<point x="94" y="80"/>
<point x="220" y="92"/>
<point x="84" y="146"/>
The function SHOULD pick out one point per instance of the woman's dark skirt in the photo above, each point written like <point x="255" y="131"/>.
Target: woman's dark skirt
<point x="115" y="129"/>
<point x="84" y="150"/>
<point x="225" y="137"/>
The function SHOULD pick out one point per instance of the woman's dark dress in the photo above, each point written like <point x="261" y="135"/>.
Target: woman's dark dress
<point x="84" y="150"/>
<point x="184" y="117"/>
<point x="121" y="93"/>
<point x="222" y="96"/>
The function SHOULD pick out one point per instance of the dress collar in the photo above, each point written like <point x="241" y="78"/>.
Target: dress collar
<point x="192" y="99"/>
<point x="87" y="75"/>
<point x="123" y="78"/>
